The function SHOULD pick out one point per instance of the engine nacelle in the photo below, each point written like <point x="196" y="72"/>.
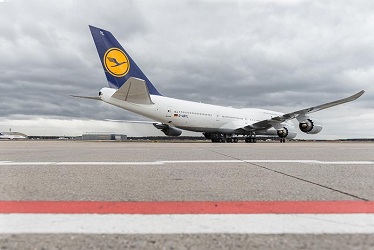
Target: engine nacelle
<point x="287" y="132"/>
<point x="208" y="135"/>
<point x="310" y="126"/>
<point x="171" y="131"/>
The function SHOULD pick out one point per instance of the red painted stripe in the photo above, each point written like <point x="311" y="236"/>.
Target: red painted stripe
<point x="245" y="207"/>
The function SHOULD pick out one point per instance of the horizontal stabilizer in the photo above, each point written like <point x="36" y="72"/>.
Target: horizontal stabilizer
<point x="87" y="97"/>
<point x="134" y="90"/>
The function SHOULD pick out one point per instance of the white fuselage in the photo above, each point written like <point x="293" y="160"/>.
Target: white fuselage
<point x="194" y="116"/>
<point x="11" y="137"/>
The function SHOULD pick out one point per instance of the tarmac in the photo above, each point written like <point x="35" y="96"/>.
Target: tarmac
<point x="81" y="171"/>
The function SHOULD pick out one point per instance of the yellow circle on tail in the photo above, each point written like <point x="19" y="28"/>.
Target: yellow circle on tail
<point x="116" y="62"/>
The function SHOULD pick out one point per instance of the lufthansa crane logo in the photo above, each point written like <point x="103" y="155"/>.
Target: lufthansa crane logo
<point x="116" y="62"/>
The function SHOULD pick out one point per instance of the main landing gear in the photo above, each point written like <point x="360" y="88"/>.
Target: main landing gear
<point x="251" y="138"/>
<point x="217" y="140"/>
<point x="220" y="138"/>
<point x="232" y="139"/>
<point x="228" y="139"/>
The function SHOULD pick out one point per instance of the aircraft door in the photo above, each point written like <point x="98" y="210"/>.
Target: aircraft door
<point x="168" y="111"/>
<point x="217" y="117"/>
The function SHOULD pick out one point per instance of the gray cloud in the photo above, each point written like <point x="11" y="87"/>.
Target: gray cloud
<point x="279" y="55"/>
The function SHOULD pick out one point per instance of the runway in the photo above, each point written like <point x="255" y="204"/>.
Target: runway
<point x="335" y="180"/>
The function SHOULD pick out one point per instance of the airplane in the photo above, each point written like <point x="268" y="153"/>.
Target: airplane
<point x="10" y="137"/>
<point x="130" y="89"/>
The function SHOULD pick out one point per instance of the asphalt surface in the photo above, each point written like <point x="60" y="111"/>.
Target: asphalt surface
<point x="187" y="173"/>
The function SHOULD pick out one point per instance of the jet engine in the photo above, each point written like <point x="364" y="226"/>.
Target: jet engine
<point x="286" y="132"/>
<point x="169" y="131"/>
<point x="310" y="126"/>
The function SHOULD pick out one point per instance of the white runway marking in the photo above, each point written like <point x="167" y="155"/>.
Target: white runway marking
<point x="188" y="223"/>
<point x="314" y="162"/>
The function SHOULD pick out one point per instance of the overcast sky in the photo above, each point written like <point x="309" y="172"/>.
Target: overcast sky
<point x="282" y="55"/>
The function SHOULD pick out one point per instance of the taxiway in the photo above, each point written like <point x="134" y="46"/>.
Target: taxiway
<point x="196" y="172"/>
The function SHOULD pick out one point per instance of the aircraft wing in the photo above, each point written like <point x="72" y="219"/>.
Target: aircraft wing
<point x="154" y="123"/>
<point x="128" y="121"/>
<point x="168" y="130"/>
<point x="266" y="124"/>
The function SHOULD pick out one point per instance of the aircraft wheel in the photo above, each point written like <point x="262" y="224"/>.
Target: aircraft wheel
<point x="250" y="140"/>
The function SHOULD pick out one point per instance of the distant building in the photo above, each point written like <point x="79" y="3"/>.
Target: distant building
<point x="100" y="136"/>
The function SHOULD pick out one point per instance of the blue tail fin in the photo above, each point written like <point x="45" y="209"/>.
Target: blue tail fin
<point x="117" y="63"/>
